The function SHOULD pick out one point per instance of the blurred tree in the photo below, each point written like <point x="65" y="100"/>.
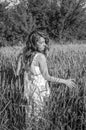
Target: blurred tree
<point x="73" y="15"/>
<point x="3" y="15"/>
<point x="27" y="16"/>
<point x="61" y="19"/>
<point x="53" y="14"/>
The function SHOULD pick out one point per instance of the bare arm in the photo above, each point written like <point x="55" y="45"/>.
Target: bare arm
<point x="44" y="70"/>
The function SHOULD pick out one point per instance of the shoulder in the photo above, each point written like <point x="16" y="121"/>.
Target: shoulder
<point x="41" y="57"/>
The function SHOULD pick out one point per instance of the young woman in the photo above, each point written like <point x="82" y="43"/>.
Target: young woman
<point x="36" y="75"/>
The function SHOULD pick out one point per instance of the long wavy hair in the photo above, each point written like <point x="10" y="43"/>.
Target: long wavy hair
<point x="31" y="48"/>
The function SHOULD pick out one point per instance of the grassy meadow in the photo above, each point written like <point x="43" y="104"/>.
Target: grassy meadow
<point x="65" y="108"/>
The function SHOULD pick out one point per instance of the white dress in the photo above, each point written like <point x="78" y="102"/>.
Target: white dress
<point x="36" y="89"/>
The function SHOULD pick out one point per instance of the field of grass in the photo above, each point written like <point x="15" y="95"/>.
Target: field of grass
<point x="65" y="109"/>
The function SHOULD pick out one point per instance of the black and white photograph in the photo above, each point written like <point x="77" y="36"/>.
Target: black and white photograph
<point x="42" y="64"/>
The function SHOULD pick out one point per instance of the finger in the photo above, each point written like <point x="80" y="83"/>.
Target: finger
<point x="73" y="85"/>
<point x="73" y="80"/>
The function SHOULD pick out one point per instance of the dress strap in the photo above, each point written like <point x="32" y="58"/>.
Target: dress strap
<point x="34" y="58"/>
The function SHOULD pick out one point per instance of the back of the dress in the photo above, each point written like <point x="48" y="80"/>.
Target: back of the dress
<point x="35" y="86"/>
<point x="35" y="78"/>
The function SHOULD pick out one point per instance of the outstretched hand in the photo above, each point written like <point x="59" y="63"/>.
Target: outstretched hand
<point x="70" y="83"/>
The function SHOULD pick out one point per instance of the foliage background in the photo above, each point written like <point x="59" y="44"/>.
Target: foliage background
<point x="62" y="20"/>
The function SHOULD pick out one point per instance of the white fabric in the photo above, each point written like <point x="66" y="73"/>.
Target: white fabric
<point x="36" y="88"/>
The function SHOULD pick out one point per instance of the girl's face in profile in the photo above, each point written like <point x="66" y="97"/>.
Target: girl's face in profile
<point x="42" y="46"/>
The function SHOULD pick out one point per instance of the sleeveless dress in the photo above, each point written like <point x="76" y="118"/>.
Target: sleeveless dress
<point x="36" y="89"/>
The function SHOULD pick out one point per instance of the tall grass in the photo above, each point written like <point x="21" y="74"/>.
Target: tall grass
<point x="64" y="110"/>
<point x="12" y="110"/>
<point x="68" y="106"/>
